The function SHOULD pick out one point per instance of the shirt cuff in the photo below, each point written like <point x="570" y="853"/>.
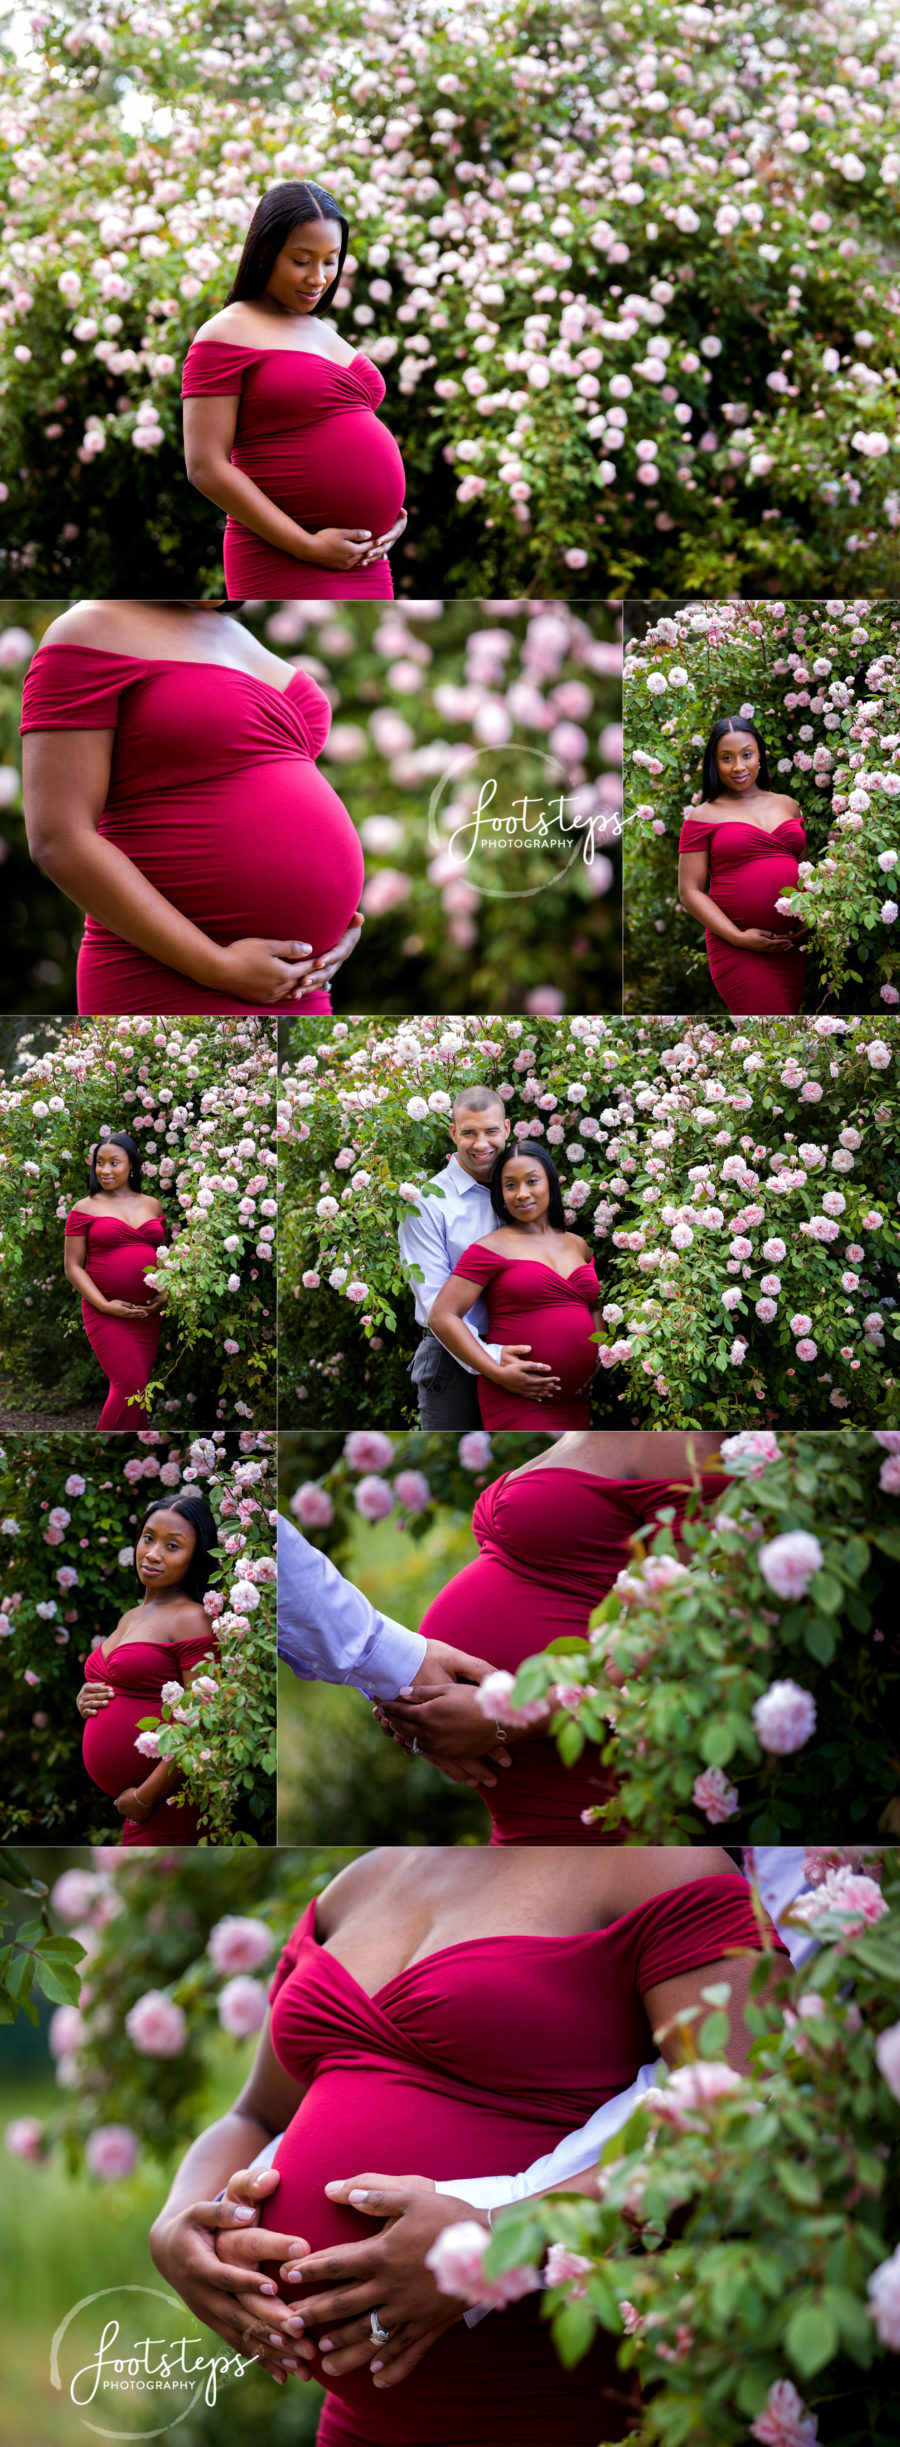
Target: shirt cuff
<point x="394" y="1660"/>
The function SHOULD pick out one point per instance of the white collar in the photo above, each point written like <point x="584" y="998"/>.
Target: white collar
<point x="463" y="1181"/>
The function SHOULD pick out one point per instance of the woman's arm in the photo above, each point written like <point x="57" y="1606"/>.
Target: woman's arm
<point x="209" y="430"/>
<point x="66" y="777"/>
<point x="445" y="1316"/>
<point x="235" y="2299"/>
<point x="693" y="876"/>
<point x="138" y="1801"/>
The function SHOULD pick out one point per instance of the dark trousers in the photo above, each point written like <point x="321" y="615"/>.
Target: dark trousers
<point x="447" y="1393"/>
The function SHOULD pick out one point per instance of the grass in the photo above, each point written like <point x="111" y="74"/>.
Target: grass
<point x="64" y="2237"/>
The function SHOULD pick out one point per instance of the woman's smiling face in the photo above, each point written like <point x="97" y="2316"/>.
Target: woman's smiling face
<point x="112" y="1166"/>
<point x="164" y="1551"/>
<point x="525" y="1189"/>
<point x="306" y="266"/>
<point x="737" y="760"/>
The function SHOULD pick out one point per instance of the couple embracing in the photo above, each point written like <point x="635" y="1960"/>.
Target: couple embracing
<point x="508" y="1298"/>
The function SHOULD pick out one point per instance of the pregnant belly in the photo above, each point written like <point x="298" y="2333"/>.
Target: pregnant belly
<point x="498" y="1614"/>
<point x="471" y="2384"/>
<point x="121" y="1273"/>
<point x="345" y="471"/>
<point x="108" y="1748"/>
<point x="562" y="1336"/>
<point x="748" y="896"/>
<point x="273" y="853"/>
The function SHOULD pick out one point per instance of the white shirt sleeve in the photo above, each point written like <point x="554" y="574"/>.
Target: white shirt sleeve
<point x="423" y="1243"/>
<point x="571" y="2157"/>
<point x="329" y="1632"/>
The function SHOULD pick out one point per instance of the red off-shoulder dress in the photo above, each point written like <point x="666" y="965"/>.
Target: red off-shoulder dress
<point x="118" y="1256"/>
<point x="215" y="796"/>
<point x="308" y="435"/>
<point x="528" y="1302"/>
<point x="552" y="1543"/>
<point x="748" y="870"/>
<point x="138" y="1669"/>
<point x="483" y="2055"/>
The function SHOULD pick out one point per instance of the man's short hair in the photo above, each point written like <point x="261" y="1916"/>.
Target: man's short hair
<point x="475" y="1100"/>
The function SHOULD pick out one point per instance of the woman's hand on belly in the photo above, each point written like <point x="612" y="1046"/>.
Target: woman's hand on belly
<point x="92" y="1697"/>
<point x="449" y="1728"/>
<point x="259" y="969"/>
<point x="324" y="968"/>
<point x="213" y="2262"/>
<point x="337" y="547"/>
<point x="385" y="2273"/>
<point x="762" y="939"/>
<point x="379" y="550"/>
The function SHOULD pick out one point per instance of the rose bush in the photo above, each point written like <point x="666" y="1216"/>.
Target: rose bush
<point x="822" y="684"/>
<point x="156" y="1924"/>
<point x="779" y="2306"/>
<point x="547" y="222"/>
<point x="747" y="1246"/>
<point x="761" y="1679"/>
<point x="324" y="1479"/>
<point x="528" y="693"/>
<point x="198" y="1096"/>
<point x="70" y="1507"/>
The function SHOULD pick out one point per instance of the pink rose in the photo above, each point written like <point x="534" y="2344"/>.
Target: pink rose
<point x="750" y="1451"/>
<point x="74" y="1893"/>
<point x="156" y="2025"/>
<point x="690" y="2089"/>
<point x="75" y="1485"/>
<point x="715" y="1796"/>
<point x="25" y="2137"/>
<point x="242" y="2007"/>
<point x="883" y="2289"/>
<point x="857" y="1899"/>
<point x="788" y="1563"/>
<point x="65" y="2031"/>
<point x="374" y="1498"/>
<point x="456" y="2263"/>
<point x="785" y="1718"/>
<point x="112" y="2152"/>
<point x="412" y="1489"/>
<point x="475" y="1449"/>
<point x="889" y="1475"/>
<point x="887" y="2057"/>
<point x="312" y="1506"/>
<point x="494" y="1698"/>
<point x="563" y="2267"/>
<point x="239" y="1944"/>
<point x="786" y="2421"/>
<point x="368" y="1449"/>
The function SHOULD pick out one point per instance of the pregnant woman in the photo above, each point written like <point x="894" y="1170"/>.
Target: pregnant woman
<point x="111" y="1240"/>
<point x="280" y="428"/>
<point x="164" y="1639"/>
<point x="439" y="2009"/>
<point x="171" y="790"/>
<point x="738" y="852"/>
<point x="542" y="1294"/>
<point x="553" y="1538"/>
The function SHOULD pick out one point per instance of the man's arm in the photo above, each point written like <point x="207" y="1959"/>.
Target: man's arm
<point x="329" y="1632"/>
<point x="423" y="1243"/>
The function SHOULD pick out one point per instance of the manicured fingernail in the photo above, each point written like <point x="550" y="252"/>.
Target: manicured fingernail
<point x="326" y="2345"/>
<point x="292" y="2276"/>
<point x="295" y="2328"/>
<point x="376" y="2366"/>
<point x="244" y="2214"/>
<point x="279" y="2378"/>
<point x="356" y="2197"/>
<point x="267" y="2288"/>
<point x="274" y="2337"/>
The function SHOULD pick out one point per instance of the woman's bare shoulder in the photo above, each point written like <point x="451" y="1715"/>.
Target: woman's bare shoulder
<point x="91" y="623"/>
<point x="360" y="1882"/>
<point x="236" y="323"/>
<point x="644" y="1871"/>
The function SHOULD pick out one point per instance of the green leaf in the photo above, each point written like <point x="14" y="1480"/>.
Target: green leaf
<point x="59" y="1982"/>
<point x="714" y="2035"/>
<point x="573" y="2330"/>
<point x="811" y="2338"/>
<point x="820" y="1641"/>
<point x="827" y="1592"/>
<point x="798" y="2184"/>
<point x="717" y="1742"/>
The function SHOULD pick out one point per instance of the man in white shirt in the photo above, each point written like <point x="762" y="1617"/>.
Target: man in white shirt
<point x="433" y="1237"/>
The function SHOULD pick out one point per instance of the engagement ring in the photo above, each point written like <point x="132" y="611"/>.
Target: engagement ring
<point x="380" y="2335"/>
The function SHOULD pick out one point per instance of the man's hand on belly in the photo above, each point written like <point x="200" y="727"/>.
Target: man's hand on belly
<point x="385" y="2273"/>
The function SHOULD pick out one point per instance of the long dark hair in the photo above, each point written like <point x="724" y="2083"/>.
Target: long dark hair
<point x="278" y="212"/>
<point x="117" y="1138"/>
<point x="527" y="1147"/>
<point x="731" y="722"/>
<point x="195" y="1509"/>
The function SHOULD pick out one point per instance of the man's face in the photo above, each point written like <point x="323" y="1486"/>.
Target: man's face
<point x="478" y="1138"/>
